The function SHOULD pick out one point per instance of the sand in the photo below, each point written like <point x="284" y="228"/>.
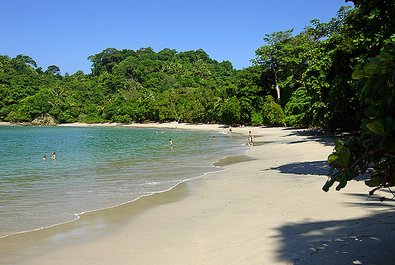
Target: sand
<point x="266" y="207"/>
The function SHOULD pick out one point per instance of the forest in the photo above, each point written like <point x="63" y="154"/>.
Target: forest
<point x="302" y="80"/>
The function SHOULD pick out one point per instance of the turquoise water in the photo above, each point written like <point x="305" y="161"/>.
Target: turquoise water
<point x="95" y="168"/>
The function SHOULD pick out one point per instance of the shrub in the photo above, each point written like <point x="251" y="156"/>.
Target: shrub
<point x="272" y="112"/>
<point x="297" y="109"/>
<point x="256" y="119"/>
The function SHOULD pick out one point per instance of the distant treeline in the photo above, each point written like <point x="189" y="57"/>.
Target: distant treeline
<point x="296" y="80"/>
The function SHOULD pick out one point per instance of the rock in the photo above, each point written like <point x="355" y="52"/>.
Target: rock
<point x="44" y="120"/>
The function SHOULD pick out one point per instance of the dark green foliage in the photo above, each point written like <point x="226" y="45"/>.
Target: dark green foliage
<point x="230" y="112"/>
<point x="373" y="150"/>
<point x="272" y="112"/>
<point x="298" y="109"/>
<point x="131" y="86"/>
<point x="256" y="119"/>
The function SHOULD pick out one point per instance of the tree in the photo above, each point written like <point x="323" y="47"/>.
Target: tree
<point x="284" y="60"/>
<point x="369" y="24"/>
<point x="374" y="150"/>
<point x="297" y="109"/>
<point x="271" y="54"/>
<point x="230" y="111"/>
<point x="53" y="70"/>
<point x="326" y="79"/>
<point x="107" y="59"/>
<point x="272" y="112"/>
<point x="24" y="60"/>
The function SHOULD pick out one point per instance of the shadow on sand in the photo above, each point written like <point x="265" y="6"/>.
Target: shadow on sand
<point x="311" y="135"/>
<point x="305" y="168"/>
<point x="368" y="240"/>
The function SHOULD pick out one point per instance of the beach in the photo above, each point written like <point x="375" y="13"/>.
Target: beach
<point x="266" y="207"/>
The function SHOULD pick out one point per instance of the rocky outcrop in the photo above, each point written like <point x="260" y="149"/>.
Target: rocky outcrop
<point x="44" y="120"/>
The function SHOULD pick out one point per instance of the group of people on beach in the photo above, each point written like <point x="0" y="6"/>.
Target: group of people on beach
<point x="213" y="140"/>
<point x="249" y="139"/>
<point x="53" y="156"/>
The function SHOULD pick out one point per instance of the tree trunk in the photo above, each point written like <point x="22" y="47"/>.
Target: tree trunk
<point x="278" y="91"/>
<point x="277" y="86"/>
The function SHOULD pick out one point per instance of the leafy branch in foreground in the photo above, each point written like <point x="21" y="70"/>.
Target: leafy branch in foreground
<point x="373" y="151"/>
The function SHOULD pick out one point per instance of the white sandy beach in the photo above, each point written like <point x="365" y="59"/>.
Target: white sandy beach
<point x="267" y="209"/>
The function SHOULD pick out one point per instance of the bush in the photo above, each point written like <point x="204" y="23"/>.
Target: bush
<point x="297" y="109"/>
<point x="256" y="119"/>
<point x="231" y="111"/>
<point x="272" y="112"/>
<point x="17" y="116"/>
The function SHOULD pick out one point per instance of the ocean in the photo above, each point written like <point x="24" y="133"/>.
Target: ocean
<point x="96" y="168"/>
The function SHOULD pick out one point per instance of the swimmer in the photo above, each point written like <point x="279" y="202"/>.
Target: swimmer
<point x="250" y="142"/>
<point x="54" y="155"/>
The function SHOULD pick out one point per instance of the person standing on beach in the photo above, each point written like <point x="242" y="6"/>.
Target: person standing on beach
<point x="250" y="142"/>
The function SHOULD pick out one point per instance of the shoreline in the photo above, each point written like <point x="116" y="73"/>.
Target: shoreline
<point x="82" y="214"/>
<point x="164" y="125"/>
<point x="84" y="228"/>
<point x="261" y="210"/>
<point x="217" y="164"/>
<point x="78" y="215"/>
<point x="17" y="240"/>
<point x="88" y="226"/>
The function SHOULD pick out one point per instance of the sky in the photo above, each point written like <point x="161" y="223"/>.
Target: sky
<point x="65" y="32"/>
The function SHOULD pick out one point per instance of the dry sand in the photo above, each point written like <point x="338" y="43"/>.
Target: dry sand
<point x="266" y="209"/>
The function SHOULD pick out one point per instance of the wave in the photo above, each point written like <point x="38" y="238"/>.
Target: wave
<point x="79" y="215"/>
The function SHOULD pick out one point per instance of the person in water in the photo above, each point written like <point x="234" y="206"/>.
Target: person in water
<point x="250" y="142"/>
<point x="54" y="155"/>
<point x="171" y="143"/>
<point x="44" y="157"/>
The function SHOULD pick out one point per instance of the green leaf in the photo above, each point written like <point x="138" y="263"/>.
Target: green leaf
<point x="371" y="68"/>
<point x="332" y="158"/>
<point x="344" y="157"/>
<point x="376" y="127"/>
<point x="358" y="74"/>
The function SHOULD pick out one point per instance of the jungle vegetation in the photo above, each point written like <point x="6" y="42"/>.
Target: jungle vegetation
<point x="295" y="80"/>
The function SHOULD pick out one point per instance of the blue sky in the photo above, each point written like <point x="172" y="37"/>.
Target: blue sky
<point x="65" y="33"/>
